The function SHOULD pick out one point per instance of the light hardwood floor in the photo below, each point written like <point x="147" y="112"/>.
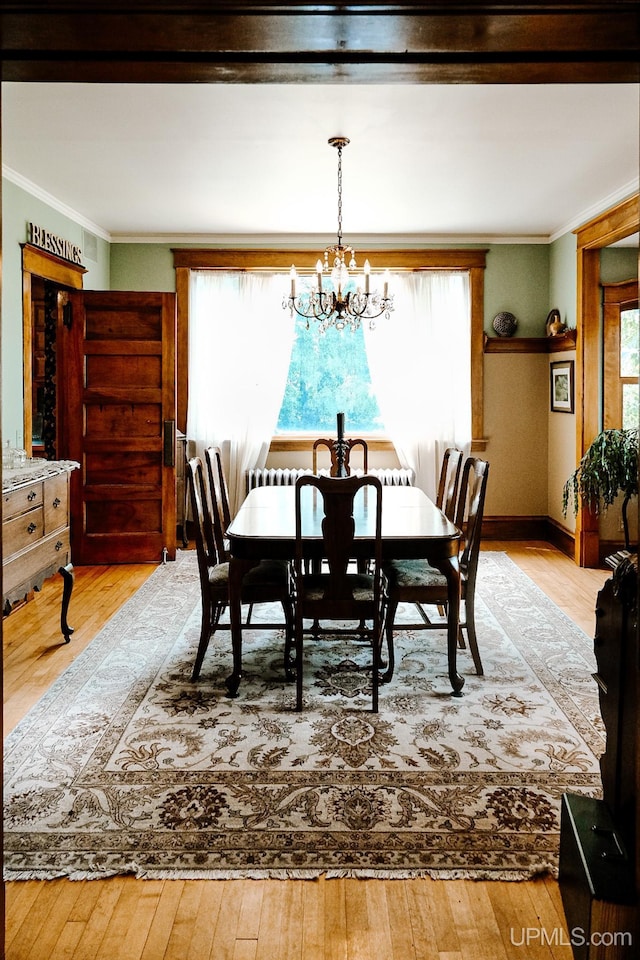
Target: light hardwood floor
<point x="346" y="919"/>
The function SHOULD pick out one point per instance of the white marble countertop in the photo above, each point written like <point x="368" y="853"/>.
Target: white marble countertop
<point x="34" y="469"/>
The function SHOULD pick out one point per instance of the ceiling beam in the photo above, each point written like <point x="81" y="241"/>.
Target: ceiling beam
<point x="290" y="42"/>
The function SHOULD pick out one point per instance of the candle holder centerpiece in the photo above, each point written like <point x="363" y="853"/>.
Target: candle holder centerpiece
<point x="340" y="451"/>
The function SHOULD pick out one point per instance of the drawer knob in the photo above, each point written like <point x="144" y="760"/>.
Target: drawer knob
<point x="32" y="526"/>
<point x="59" y="545"/>
<point x="56" y="503"/>
<point x="31" y="495"/>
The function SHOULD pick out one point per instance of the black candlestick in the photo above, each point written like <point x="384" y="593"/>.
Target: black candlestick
<point x="341" y="447"/>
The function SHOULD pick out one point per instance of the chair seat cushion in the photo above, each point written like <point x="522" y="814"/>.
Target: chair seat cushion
<point x="360" y="584"/>
<point x="267" y="575"/>
<point x="411" y="574"/>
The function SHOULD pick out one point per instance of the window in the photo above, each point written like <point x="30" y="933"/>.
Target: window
<point x="629" y="368"/>
<point x="328" y="373"/>
<point x="275" y="261"/>
<point x="621" y="362"/>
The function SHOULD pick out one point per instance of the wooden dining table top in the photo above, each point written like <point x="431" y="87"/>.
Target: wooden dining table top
<point x="412" y="526"/>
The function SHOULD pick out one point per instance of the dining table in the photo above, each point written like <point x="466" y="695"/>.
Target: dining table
<point x="413" y="528"/>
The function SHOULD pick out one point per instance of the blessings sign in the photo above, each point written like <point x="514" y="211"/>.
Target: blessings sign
<point x="48" y="241"/>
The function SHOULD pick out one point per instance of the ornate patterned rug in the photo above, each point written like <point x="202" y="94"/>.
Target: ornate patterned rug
<point x="125" y="766"/>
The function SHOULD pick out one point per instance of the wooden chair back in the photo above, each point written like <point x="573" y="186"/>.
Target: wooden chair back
<point x="447" y="496"/>
<point x="221" y="517"/>
<point x="340" y="543"/>
<point x="203" y="527"/>
<point x="473" y="488"/>
<point x="333" y="450"/>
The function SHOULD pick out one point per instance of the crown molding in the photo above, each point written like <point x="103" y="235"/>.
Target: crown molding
<point x="312" y="242"/>
<point x="35" y="191"/>
<point x="596" y="209"/>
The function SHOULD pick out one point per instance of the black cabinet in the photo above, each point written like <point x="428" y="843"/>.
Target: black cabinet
<point x="598" y="845"/>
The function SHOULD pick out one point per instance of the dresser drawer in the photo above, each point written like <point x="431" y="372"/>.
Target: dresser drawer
<point x="22" y="498"/>
<point x="56" y="499"/>
<point x="31" y="567"/>
<point x="23" y="531"/>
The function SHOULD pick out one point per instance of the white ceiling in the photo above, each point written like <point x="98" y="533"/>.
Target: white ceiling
<point x="425" y="161"/>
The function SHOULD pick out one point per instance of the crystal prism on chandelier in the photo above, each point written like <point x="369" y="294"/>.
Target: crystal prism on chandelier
<point x="339" y="307"/>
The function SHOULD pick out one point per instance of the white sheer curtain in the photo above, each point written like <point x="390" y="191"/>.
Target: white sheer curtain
<point x="239" y="349"/>
<point x="420" y="363"/>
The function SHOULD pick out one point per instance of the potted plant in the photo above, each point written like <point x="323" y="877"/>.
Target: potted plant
<point x="608" y="468"/>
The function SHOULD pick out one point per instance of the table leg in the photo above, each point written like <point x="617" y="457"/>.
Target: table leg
<point x="237" y="570"/>
<point x="451" y="570"/>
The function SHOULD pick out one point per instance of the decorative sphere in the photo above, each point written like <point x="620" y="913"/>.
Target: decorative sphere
<point x="505" y="324"/>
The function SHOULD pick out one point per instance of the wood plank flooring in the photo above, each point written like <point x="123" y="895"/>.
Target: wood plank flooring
<point x="338" y="919"/>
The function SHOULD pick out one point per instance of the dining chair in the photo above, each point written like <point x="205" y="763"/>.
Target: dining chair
<point x="449" y="482"/>
<point x="221" y="515"/>
<point x="267" y="582"/>
<point x="417" y="582"/>
<point x="336" y="594"/>
<point x="447" y="496"/>
<point x="348" y="447"/>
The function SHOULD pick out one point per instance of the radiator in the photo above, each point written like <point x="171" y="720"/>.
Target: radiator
<point x="284" y="477"/>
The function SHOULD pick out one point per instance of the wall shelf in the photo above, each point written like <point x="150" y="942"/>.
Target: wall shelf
<point x="564" y="341"/>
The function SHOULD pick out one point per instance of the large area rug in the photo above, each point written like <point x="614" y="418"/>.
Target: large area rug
<point x="125" y="766"/>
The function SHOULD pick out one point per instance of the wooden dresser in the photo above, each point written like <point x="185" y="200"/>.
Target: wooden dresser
<point x="35" y="526"/>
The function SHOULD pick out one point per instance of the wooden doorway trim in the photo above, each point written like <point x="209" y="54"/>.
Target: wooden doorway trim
<point x="39" y="263"/>
<point x="614" y="224"/>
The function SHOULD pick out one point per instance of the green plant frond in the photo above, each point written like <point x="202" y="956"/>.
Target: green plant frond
<point x="608" y="468"/>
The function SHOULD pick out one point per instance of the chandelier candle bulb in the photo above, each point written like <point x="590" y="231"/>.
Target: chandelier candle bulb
<point x="319" y="273"/>
<point x="367" y="271"/>
<point x="386" y="278"/>
<point x="292" y="275"/>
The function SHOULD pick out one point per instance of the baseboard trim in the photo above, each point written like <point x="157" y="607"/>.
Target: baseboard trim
<point x="514" y="528"/>
<point x="528" y="528"/>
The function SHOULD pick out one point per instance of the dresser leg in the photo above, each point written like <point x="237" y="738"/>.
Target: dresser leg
<point x="67" y="576"/>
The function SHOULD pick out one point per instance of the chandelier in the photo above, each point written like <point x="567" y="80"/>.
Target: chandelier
<point x="339" y="307"/>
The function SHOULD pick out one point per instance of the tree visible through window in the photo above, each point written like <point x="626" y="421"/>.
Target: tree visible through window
<point x="328" y="373"/>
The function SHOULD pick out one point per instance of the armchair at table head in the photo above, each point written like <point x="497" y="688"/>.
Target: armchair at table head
<point x="339" y="594"/>
<point x="347" y="447"/>
<point x="417" y="582"/>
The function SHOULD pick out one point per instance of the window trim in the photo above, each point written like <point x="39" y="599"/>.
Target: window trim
<point x="472" y="261"/>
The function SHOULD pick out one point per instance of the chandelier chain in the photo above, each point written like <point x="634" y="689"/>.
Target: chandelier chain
<point x="340" y="196"/>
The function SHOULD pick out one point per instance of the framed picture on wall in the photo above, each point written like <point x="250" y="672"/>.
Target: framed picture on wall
<point x="562" y="389"/>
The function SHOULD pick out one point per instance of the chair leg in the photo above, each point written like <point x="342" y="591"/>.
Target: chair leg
<point x="375" y="671"/>
<point x="298" y="644"/>
<point x="471" y="634"/>
<point x="289" y="642"/>
<point x="206" y="629"/>
<point x="391" y="658"/>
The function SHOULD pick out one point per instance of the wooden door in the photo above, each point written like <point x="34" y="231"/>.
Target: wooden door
<point x="119" y="415"/>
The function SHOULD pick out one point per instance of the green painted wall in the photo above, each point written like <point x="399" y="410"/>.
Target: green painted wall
<point x="142" y="266"/>
<point x="18" y="209"/>
<point x="563" y="277"/>
<point x="618" y="263"/>
<point x="517" y="280"/>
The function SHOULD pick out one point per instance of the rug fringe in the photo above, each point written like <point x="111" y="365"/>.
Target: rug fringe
<point x="288" y="874"/>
